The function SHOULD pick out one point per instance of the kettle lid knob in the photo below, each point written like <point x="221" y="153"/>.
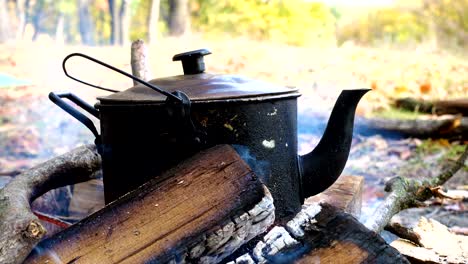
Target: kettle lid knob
<point x="192" y="61"/>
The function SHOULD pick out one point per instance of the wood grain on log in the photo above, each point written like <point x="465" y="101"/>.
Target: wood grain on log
<point x="329" y="235"/>
<point x="345" y="194"/>
<point x="20" y="229"/>
<point x="199" y="211"/>
<point x="321" y="233"/>
<point x="340" y="238"/>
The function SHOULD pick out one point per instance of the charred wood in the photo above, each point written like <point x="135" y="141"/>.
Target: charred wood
<point x="338" y="237"/>
<point x="200" y="211"/>
<point x="345" y="194"/>
<point x="322" y="233"/>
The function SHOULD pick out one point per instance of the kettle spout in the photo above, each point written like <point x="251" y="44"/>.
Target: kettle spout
<point x="320" y="168"/>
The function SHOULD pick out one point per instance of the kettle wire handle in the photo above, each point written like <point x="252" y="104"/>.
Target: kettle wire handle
<point x="147" y="84"/>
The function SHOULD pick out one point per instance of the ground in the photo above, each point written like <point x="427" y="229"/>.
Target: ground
<point x="32" y="129"/>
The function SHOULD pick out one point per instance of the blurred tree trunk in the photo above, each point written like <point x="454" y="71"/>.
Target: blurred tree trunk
<point x="22" y="7"/>
<point x="68" y="23"/>
<point x="102" y="40"/>
<point x="114" y="14"/>
<point x="179" y="17"/>
<point x="4" y="22"/>
<point x="152" y="22"/>
<point x="120" y="22"/>
<point x="27" y="5"/>
<point x="124" y="20"/>
<point x="59" y="37"/>
<point x="36" y="18"/>
<point x="86" y="22"/>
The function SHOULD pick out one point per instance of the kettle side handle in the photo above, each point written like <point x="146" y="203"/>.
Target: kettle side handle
<point x="56" y="98"/>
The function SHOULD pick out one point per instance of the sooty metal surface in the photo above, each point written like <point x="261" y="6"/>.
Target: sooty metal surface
<point x="265" y="134"/>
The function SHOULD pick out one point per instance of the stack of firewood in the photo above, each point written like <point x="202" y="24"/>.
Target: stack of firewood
<point x="201" y="211"/>
<point x="205" y="210"/>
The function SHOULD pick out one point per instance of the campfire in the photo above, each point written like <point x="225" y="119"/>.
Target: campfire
<point x="200" y="168"/>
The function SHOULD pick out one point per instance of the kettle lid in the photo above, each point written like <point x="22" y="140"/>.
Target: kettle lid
<point x="200" y="86"/>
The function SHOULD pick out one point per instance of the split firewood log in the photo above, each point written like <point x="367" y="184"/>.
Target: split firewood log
<point x="20" y="229"/>
<point x="200" y="211"/>
<point x="337" y="237"/>
<point x="322" y="233"/>
<point x="345" y="194"/>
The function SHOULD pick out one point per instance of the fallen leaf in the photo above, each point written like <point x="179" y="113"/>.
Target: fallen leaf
<point x="425" y="87"/>
<point x="444" y="142"/>
<point x="401" y="89"/>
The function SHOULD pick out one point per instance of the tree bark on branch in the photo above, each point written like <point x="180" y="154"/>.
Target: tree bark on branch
<point x="20" y="229"/>
<point x="406" y="193"/>
<point x="139" y="61"/>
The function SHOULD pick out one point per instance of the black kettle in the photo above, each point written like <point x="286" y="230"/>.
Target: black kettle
<point x="152" y="126"/>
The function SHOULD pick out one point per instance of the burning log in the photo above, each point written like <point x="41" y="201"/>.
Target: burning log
<point x="324" y="233"/>
<point x="337" y="237"/>
<point x="20" y="229"/>
<point x="200" y="211"/>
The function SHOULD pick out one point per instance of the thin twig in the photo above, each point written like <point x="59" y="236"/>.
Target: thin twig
<point x="139" y="61"/>
<point x="406" y="193"/>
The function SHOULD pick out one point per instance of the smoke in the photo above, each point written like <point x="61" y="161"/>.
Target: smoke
<point x="59" y="131"/>
<point x="289" y="255"/>
<point x="48" y="255"/>
<point x="261" y="167"/>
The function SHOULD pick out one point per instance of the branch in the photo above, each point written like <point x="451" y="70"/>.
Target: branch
<point x="406" y="193"/>
<point x="20" y="229"/>
<point x="139" y="61"/>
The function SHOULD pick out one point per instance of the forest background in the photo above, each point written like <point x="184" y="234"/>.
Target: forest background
<point x="297" y="22"/>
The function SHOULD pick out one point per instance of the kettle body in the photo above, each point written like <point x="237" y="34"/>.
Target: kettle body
<point x="151" y="127"/>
